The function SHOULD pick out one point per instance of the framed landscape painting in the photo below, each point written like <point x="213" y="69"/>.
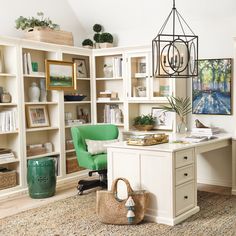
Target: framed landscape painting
<point x="60" y="75"/>
<point x="211" y="90"/>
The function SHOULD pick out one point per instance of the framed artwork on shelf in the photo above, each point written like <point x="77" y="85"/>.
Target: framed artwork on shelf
<point x="37" y="116"/>
<point x="211" y="90"/>
<point x="60" y="75"/>
<point x="163" y="119"/>
<point x="81" y="68"/>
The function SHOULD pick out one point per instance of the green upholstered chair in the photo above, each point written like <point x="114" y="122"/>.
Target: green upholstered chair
<point x="95" y="163"/>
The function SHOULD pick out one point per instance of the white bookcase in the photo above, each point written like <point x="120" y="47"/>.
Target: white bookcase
<point x="127" y="69"/>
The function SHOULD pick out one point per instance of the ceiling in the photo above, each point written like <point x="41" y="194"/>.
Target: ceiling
<point x="123" y="15"/>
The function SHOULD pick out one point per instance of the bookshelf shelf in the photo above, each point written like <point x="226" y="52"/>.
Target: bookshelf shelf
<point x="119" y="125"/>
<point x="7" y="75"/>
<point x="2" y="162"/>
<point x="8" y="104"/>
<point x="71" y="150"/>
<point x="9" y="132"/>
<point x="112" y="78"/>
<point x="108" y="102"/>
<point x="41" y="129"/>
<point x="77" y="102"/>
<point x="44" y="155"/>
<point x="34" y="76"/>
<point x="87" y="79"/>
<point x="41" y="103"/>
<point x="69" y="126"/>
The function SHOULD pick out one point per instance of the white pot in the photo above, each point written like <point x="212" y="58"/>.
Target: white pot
<point x="88" y="46"/>
<point x="34" y="92"/>
<point x="106" y="45"/>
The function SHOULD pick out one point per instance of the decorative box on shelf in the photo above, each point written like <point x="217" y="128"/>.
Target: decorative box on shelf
<point x="7" y="178"/>
<point x="72" y="165"/>
<point x="50" y="36"/>
<point x="34" y="150"/>
<point x="69" y="144"/>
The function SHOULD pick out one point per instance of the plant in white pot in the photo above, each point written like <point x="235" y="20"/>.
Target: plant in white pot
<point x="97" y="28"/>
<point x="43" y="29"/>
<point x="87" y="43"/>
<point x="106" y="40"/>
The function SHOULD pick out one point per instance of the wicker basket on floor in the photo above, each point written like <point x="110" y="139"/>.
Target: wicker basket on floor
<point x="7" y="179"/>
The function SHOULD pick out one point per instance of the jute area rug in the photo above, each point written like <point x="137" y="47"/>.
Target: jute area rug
<point x="76" y="216"/>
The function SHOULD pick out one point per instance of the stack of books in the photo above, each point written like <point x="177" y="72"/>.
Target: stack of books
<point x="107" y="96"/>
<point x="6" y="154"/>
<point x="27" y="65"/>
<point x="8" y="121"/>
<point x="117" y="67"/>
<point x="205" y="132"/>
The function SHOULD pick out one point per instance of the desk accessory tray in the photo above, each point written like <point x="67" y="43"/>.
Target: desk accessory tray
<point x="148" y="140"/>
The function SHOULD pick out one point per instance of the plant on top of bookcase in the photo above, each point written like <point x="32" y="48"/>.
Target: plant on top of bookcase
<point x="87" y="43"/>
<point x="30" y="23"/>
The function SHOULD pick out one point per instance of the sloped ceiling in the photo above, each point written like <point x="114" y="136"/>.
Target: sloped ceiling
<point x="121" y="15"/>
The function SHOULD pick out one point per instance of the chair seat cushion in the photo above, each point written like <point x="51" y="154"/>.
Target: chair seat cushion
<point x="97" y="146"/>
<point x="100" y="161"/>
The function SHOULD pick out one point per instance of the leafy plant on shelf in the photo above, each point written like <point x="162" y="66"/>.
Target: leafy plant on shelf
<point x="182" y="107"/>
<point x="144" y="120"/>
<point x="106" y="38"/>
<point x="87" y="42"/>
<point x="30" y="23"/>
<point x="97" y="36"/>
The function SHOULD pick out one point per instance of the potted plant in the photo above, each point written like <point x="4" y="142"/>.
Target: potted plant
<point x="87" y="43"/>
<point x="106" y="40"/>
<point x="144" y="122"/>
<point x="43" y="29"/>
<point x="182" y="107"/>
<point x="97" y="28"/>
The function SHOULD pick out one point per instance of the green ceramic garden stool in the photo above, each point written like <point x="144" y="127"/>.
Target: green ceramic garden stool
<point x="41" y="177"/>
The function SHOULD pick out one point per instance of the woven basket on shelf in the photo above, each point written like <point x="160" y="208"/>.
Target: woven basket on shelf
<point x="7" y="179"/>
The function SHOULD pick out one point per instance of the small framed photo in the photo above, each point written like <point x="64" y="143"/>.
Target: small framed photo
<point x="142" y="67"/>
<point x="81" y="68"/>
<point x="163" y="119"/>
<point x="37" y="116"/>
<point x="60" y="75"/>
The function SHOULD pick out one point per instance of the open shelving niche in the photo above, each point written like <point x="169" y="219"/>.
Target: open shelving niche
<point x="77" y="108"/>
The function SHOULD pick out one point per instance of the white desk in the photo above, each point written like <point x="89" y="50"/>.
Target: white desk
<point x="167" y="171"/>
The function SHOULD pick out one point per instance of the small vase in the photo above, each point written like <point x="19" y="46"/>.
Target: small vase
<point x="34" y="92"/>
<point x="181" y="127"/>
<point x="108" y="71"/>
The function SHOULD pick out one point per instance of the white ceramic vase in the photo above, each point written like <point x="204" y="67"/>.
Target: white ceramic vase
<point x="34" y="92"/>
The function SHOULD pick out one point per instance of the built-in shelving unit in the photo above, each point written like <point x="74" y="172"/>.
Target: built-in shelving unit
<point x="124" y="74"/>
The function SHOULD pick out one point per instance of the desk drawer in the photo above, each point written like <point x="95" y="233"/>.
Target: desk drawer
<point x="183" y="158"/>
<point x="184" y="198"/>
<point x="184" y="174"/>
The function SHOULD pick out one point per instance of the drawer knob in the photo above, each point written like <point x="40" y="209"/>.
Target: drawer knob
<point x="185" y="197"/>
<point x="185" y="158"/>
<point x="185" y="174"/>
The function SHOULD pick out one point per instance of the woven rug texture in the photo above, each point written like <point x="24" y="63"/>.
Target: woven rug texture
<point x="77" y="216"/>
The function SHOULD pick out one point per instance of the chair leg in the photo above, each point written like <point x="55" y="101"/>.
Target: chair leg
<point x="87" y="184"/>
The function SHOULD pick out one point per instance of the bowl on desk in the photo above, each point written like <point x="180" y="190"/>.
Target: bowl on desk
<point x="74" y="97"/>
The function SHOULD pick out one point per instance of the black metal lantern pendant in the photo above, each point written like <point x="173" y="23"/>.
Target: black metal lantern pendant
<point x="175" y="54"/>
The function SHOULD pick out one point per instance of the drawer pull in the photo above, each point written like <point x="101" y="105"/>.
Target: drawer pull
<point x="185" y="158"/>
<point x="185" y="197"/>
<point x="185" y="174"/>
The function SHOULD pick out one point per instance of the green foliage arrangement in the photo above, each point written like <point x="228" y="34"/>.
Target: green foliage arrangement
<point x="97" y="28"/>
<point x="106" y="38"/>
<point x="97" y="38"/>
<point x="87" y="42"/>
<point x="144" y="120"/>
<point x="24" y="23"/>
<point x="181" y="106"/>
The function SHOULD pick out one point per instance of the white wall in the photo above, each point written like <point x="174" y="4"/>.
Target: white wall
<point x="58" y="11"/>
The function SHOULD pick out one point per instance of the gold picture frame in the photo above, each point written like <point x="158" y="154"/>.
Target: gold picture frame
<point x="37" y="116"/>
<point x="60" y="75"/>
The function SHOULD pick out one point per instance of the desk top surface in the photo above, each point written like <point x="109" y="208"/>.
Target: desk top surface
<point x="172" y="146"/>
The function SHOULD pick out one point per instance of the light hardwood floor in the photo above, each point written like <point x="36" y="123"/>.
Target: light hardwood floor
<point x="23" y="203"/>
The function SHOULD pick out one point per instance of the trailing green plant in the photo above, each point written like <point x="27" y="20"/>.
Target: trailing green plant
<point x="106" y="38"/>
<point x="24" y="23"/>
<point x="97" y="38"/>
<point x="87" y="42"/>
<point x="97" y="28"/>
<point x="144" y="120"/>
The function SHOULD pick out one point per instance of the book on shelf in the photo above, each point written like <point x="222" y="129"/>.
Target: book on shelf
<point x="117" y="67"/>
<point x="196" y="139"/>
<point x="107" y="99"/>
<point x="112" y="114"/>
<point x="6" y="154"/>
<point x="8" y="120"/>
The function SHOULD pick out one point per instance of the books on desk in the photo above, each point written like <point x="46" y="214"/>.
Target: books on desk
<point x="207" y="132"/>
<point x="196" y="139"/>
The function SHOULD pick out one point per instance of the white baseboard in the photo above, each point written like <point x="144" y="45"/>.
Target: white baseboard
<point x="223" y="183"/>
